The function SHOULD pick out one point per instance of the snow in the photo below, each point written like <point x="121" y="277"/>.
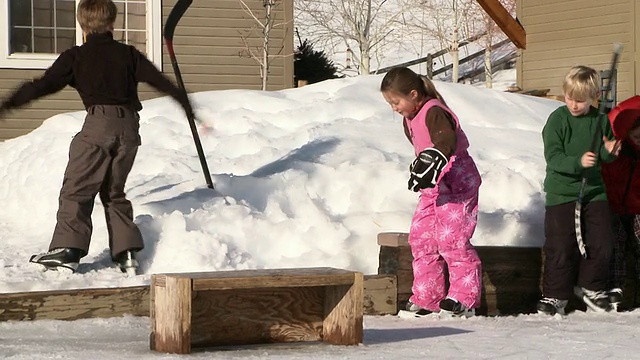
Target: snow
<point x="304" y="177"/>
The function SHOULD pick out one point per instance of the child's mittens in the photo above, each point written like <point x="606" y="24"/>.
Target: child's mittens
<point x="426" y="168"/>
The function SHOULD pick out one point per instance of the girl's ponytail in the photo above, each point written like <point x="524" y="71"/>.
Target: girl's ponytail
<point x="430" y="89"/>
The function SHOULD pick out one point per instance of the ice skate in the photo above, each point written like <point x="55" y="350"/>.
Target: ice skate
<point x="551" y="306"/>
<point x="412" y="311"/>
<point x="66" y="259"/>
<point x="452" y="308"/>
<point x="126" y="262"/>
<point x="615" y="298"/>
<point x="597" y="301"/>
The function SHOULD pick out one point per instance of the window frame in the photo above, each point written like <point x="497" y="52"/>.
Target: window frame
<point x="43" y="61"/>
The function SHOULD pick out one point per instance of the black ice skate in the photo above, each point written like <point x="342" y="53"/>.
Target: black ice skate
<point x="615" y="298"/>
<point x="451" y="307"/>
<point x="127" y="262"/>
<point x="597" y="301"/>
<point x="551" y="306"/>
<point x="412" y="310"/>
<point x="56" y="259"/>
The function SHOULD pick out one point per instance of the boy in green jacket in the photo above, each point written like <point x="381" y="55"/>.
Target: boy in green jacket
<point x="567" y="137"/>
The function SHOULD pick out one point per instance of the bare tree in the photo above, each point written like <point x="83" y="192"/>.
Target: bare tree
<point x="447" y="22"/>
<point x="264" y="24"/>
<point x="365" y="25"/>
<point x="483" y="23"/>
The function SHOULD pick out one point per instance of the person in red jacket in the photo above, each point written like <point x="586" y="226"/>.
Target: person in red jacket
<point x="622" y="181"/>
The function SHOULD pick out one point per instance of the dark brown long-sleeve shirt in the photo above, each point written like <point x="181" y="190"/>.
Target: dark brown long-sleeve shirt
<point x="441" y="129"/>
<point x="104" y="72"/>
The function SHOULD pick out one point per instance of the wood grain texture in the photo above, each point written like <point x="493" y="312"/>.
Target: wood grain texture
<point x="342" y="323"/>
<point x="246" y="279"/>
<point x="171" y="332"/>
<point x="380" y="295"/>
<point x="256" y="306"/>
<point x="254" y="316"/>
<point x="74" y="304"/>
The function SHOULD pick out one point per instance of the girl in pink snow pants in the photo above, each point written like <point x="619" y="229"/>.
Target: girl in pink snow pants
<point x="448" y="182"/>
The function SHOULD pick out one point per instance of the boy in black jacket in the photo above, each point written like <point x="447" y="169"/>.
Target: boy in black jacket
<point x="106" y="74"/>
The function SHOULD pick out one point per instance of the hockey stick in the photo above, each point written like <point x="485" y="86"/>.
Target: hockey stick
<point x="594" y="145"/>
<point x="172" y="21"/>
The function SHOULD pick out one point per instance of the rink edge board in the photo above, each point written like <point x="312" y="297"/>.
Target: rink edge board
<point x="380" y="294"/>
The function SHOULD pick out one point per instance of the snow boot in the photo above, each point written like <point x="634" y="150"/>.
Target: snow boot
<point x="597" y="301"/>
<point x="61" y="258"/>
<point x="453" y="308"/>
<point x="127" y="262"/>
<point x="551" y="306"/>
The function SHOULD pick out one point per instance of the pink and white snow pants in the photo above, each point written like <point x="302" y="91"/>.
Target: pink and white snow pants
<point x="441" y="230"/>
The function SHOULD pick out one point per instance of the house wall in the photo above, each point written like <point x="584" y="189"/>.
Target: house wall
<point x="207" y="42"/>
<point x="562" y="34"/>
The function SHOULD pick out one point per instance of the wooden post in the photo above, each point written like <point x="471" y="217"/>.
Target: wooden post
<point x="429" y="66"/>
<point x="171" y="325"/>
<point x="342" y="323"/>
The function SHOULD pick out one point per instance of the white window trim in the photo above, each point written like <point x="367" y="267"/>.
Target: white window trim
<point x="43" y="61"/>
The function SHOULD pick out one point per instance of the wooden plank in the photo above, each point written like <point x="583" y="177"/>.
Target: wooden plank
<point x="171" y="332"/>
<point x="257" y="316"/>
<point x="380" y="295"/>
<point x="242" y="279"/>
<point x="510" y="26"/>
<point x="393" y="239"/>
<point x="75" y="304"/>
<point x="379" y="292"/>
<point x="342" y="323"/>
<point x="405" y="281"/>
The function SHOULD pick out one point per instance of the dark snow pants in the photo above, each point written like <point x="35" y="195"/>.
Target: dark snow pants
<point x="564" y="267"/>
<point x="101" y="156"/>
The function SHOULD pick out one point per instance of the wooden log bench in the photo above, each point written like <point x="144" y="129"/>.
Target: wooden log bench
<point x="241" y="307"/>
<point x="510" y="275"/>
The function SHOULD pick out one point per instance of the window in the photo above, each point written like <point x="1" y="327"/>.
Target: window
<point x="38" y="30"/>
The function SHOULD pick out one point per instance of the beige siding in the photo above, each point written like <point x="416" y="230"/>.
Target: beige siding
<point x="208" y="43"/>
<point x="562" y="34"/>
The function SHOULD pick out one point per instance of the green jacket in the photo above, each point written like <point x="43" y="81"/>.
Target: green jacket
<point x="566" y="138"/>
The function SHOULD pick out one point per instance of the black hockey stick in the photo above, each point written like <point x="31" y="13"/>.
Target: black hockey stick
<point x="594" y="147"/>
<point x="169" y="28"/>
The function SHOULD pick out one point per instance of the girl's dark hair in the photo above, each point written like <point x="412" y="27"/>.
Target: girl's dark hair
<point x="402" y="80"/>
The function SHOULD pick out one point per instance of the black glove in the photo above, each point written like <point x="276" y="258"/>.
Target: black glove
<point x="426" y="168"/>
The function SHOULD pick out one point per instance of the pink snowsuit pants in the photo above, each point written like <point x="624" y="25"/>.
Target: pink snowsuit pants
<point x="441" y="230"/>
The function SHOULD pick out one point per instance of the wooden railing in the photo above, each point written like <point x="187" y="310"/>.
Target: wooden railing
<point x="429" y="60"/>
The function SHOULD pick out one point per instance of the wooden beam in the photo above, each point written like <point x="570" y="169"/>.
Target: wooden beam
<point x="379" y="299"/>
<point x="511" y="27"/>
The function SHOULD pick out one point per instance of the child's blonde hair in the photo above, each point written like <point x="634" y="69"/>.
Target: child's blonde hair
<point x="402" y="80"/>
<point x="582" y="83"/>
<point x="96" y="16"/>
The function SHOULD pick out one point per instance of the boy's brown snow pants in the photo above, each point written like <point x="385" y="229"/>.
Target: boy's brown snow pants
<point x="100" y="158"/>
